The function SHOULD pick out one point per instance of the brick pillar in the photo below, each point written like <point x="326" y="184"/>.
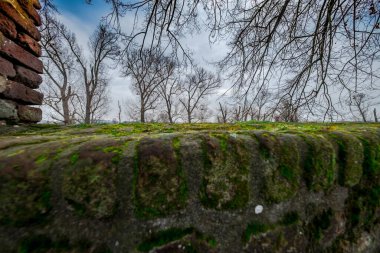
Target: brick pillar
<point x="20" y="66"/>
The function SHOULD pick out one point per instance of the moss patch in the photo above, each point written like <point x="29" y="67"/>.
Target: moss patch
<point x="24" y="188"/>
<point x="320" y="223"/>
<point x="350" y="158"/>
<point x="186" y="240"/>
<point x="319" y="167"/>
<point x="89" y="184"/>
<point x="160" y="184"/>
<point x="282" y="174"/>
<point x="226" y="173"/>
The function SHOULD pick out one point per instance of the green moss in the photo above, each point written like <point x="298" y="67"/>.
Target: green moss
<point x="320" y="223"/>
<point x="164" y="237"/>
<point x="41" y="159"/>
<point x="160" y="183"/>
<point x="74" y="158"/>
<point x="255" y="228"/>
<point x="24" y="198"/>
<point x="226" y="173"/>
<point x="319" y="167"/>
<point x="183" y="189"/>
<point x="89" y="185"/>
<point x="350" y="158"/>
<point x="371" y="145"/>
<point x="290" y="218"/>
<point x="282" y="173"/>
<point x="117" y="151"/>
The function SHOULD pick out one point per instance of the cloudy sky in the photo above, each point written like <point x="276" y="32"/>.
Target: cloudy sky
<point x="82" y="19"/>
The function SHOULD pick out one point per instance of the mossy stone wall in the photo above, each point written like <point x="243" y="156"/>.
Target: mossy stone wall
<point x="192" y="191"/>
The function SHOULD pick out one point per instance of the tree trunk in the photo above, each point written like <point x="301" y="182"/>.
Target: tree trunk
<point x="188" y="117"/>
<point x="375" y="115"/>
<point x="66" y="112"/>
<point x="170" y="118"/>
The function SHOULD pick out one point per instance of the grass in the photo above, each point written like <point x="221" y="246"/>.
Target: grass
<point x="130" y="129"/>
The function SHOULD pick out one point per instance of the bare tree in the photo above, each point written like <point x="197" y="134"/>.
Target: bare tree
<point x="286" y="111"/>
<point x="197" y="87"/>
<point x="59" y="67"/>
<point x="320" y="47"/>
<point x="358" y="104"/>
<point x="169" y="91"/>
<point x="119" y="111"/>
<point x="148" y="69"/>
<point x="375" y="115"/>
<point x="103" y="46"/>
<point x="223" y="114"/>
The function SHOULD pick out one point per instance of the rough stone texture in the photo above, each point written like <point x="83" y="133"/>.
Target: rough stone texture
<point x="14" y="11"/>
<point x="27" y="77"/>
<point x="13" y="51"/>
<point x="143" y="188"/>
<point x="29" y="43"/>
<point x="30" y="8"/>
<point x="29" y="114"/>
<point x="8" y="110"/>
<point x="7" y="27"/>
<point x="19" y="92"/>
<point x="6" y="68"/>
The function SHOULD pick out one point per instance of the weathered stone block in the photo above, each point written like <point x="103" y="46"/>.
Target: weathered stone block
<point x="27" y="77"/>
<point x="6" y="68"/>
<point x="24" y="187"/>
<point x="16" y="52"/>
<point x="226" y="172"/>
<point x="13" y="10"/>
<point x="160" y="184"/>
<point x="319" y="166"/>
<point x="89" y="180"/>
<point x="350" y="158"/>
<point x="7" y="27"/>
<point x="282" y="173"/>
<point x="29" y="114"/>
<point x="29" y="8"/>
<point x="8" y="110"/>
<point x="18" y="92"/>
<point x="29" y="43"/>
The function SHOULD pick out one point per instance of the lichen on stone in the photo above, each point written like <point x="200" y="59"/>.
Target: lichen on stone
<point x="89" y="181"/>
<point x="24" y="188"/>
<point x="319" y="166"/>
<point x="282" y="171"/>
<point x="226" y="172"/>
<point x="350" y="158"/>
<point x="160" y="183"/>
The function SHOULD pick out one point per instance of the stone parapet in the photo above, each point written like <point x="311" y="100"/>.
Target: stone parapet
<point x="20" y="66"/>
<point x="190" y="188"/>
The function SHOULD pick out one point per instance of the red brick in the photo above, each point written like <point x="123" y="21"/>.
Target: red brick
<point x="6" y="68"/>
<point x="7" y="27"/>
<point x="36" y="4"/>
<point x="19" y="93"/>
<point x="27" y="77"/>
<point x="14" y="51"/>
<point x="18" y="15"/>
<point x="29" y="114"/>
<point x="29" y="43"/>
<point x="28" y="7"/>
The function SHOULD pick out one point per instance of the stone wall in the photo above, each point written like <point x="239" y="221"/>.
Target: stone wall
<point x="20" y="67"/>
<point x="126" y="188"/>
